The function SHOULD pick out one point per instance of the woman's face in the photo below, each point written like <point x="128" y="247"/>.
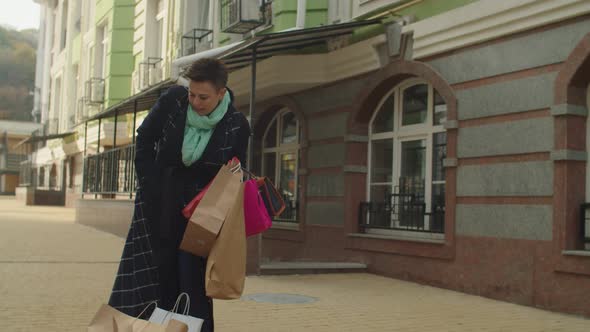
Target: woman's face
<point x="204" y="96"/>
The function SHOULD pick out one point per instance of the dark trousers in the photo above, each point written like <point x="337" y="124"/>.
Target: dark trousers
<point x="191" y="280"/>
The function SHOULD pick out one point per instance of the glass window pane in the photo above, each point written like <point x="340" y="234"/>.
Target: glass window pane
<point x="439" y="153"/>
<point x="289" y="128"/>
<point x="269" y="166"/>
<point x="380" y="193"/>
<point x="270" y="140"/>
<point x="381" y="160"/>
<point x="413" y="168"/>
<point x="415" y="104"/>
<point x="288" y="185"/>
<point x="438" y="197"/>
<point x="440" y="109"/>
<point x="383" y="121"/>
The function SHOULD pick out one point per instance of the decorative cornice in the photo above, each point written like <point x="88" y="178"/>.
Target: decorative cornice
<point x="486" y="20"/>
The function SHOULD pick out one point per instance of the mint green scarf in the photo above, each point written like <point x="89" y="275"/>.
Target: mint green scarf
<point x="198" y="130"/>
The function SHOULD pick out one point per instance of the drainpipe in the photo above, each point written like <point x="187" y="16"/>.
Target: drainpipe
<point x="300" y="22"/>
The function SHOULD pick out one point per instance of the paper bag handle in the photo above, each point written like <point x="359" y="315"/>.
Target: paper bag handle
<point x="187" y="306"/>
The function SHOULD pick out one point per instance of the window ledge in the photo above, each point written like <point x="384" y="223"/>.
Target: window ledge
<point x="584" y="253"/>
<point x="425" y="238"/>
<point x="285" y="226"/>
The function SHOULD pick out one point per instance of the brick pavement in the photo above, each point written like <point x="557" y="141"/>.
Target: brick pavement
<point x="54" y="274"/>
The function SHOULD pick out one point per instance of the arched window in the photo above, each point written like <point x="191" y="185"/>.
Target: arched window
<point x="280" y="159"/>
<point x="406" y="180"/>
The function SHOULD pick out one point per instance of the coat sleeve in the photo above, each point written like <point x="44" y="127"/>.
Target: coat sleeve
<point x="243" y="136"/>
<point x="148" y="134"/>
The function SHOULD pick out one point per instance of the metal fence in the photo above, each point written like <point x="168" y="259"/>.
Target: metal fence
<point x="404" y="209"/>
<point x="196" y="40"/>
<point x="585" y="225"/>
<point x="111" y="172"/>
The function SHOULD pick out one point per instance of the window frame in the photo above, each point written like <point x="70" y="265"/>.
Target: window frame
<point x="279" y="149"/>
<point x="400" y="134"/>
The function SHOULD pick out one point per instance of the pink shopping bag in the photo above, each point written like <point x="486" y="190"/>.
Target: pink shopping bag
<point x="256" y="216"/>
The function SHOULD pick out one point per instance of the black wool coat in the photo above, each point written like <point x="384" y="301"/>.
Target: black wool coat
<point x="147" y="271"/>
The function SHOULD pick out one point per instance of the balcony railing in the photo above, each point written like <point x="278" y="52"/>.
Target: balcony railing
<point x="196" y="40"/>
<point x="405" y="209"/>
<point x="290" y="212"/>
<point x="585" y="226"/>
<point x="111" y="172"/>
<point x="94" y="91"/>
<point x="149" y="72"/>
<point x="241" y="16"/>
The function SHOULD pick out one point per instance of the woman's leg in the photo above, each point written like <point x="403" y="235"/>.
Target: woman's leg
<point x="191" y="275"/>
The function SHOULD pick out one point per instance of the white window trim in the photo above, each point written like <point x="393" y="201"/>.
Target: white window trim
<point x="279" y="149"/>
<point x="401" y="134"/>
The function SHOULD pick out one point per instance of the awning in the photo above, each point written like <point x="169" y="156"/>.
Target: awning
<point x="238" y="55"/>
<point x="285" y="42"/>
<point x="35" y="139"/>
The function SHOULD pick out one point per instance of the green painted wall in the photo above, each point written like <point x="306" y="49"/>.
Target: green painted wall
<point x="285" y="16"/>
<point x="119" y="63"/>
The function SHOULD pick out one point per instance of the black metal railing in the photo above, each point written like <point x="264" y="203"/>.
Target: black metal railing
<point x="241" y="16"/>
<point x="111" y="172"/>
<point x="405" y="209"/>
<point x="147" y="72"/>
<point x="585" y="226"/>
<point x="196" y="40"/>
<point x="290" y="212"/>
<point x="406" y="216"/>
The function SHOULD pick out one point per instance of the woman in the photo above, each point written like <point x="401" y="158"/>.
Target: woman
<point x="181" y="144"/>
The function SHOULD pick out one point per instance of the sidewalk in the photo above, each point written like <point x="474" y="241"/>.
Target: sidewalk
<point x="54" y="274"/>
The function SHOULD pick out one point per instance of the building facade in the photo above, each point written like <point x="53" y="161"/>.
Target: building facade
<point x="441" y="142"/>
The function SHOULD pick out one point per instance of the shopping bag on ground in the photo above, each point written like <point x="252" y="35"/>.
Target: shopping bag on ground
<point x="162" y="316"/>
<point x="205" y="223"/>
<point x="255" y="214"/>
<point x="226" y="265"/>
<point x="109" y="319"/>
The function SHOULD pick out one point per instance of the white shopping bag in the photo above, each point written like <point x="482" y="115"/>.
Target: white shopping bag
<point x="162" y="316"/>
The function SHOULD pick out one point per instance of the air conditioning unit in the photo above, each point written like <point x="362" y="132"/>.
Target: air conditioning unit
<point x="155" y="74"/>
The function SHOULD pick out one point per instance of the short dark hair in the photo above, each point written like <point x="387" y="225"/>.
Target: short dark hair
<point x="208" y="70"/>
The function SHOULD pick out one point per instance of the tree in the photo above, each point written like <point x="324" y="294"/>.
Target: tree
<point x="17" y="73"/>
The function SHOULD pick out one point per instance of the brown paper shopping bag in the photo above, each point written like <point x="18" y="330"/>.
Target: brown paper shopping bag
<point x="226" y="265"/>
<point x="205" y="223"/>
<point x="109" y="319"/>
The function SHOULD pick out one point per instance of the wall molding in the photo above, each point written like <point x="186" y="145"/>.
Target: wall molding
<point x="485" y="20"/>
